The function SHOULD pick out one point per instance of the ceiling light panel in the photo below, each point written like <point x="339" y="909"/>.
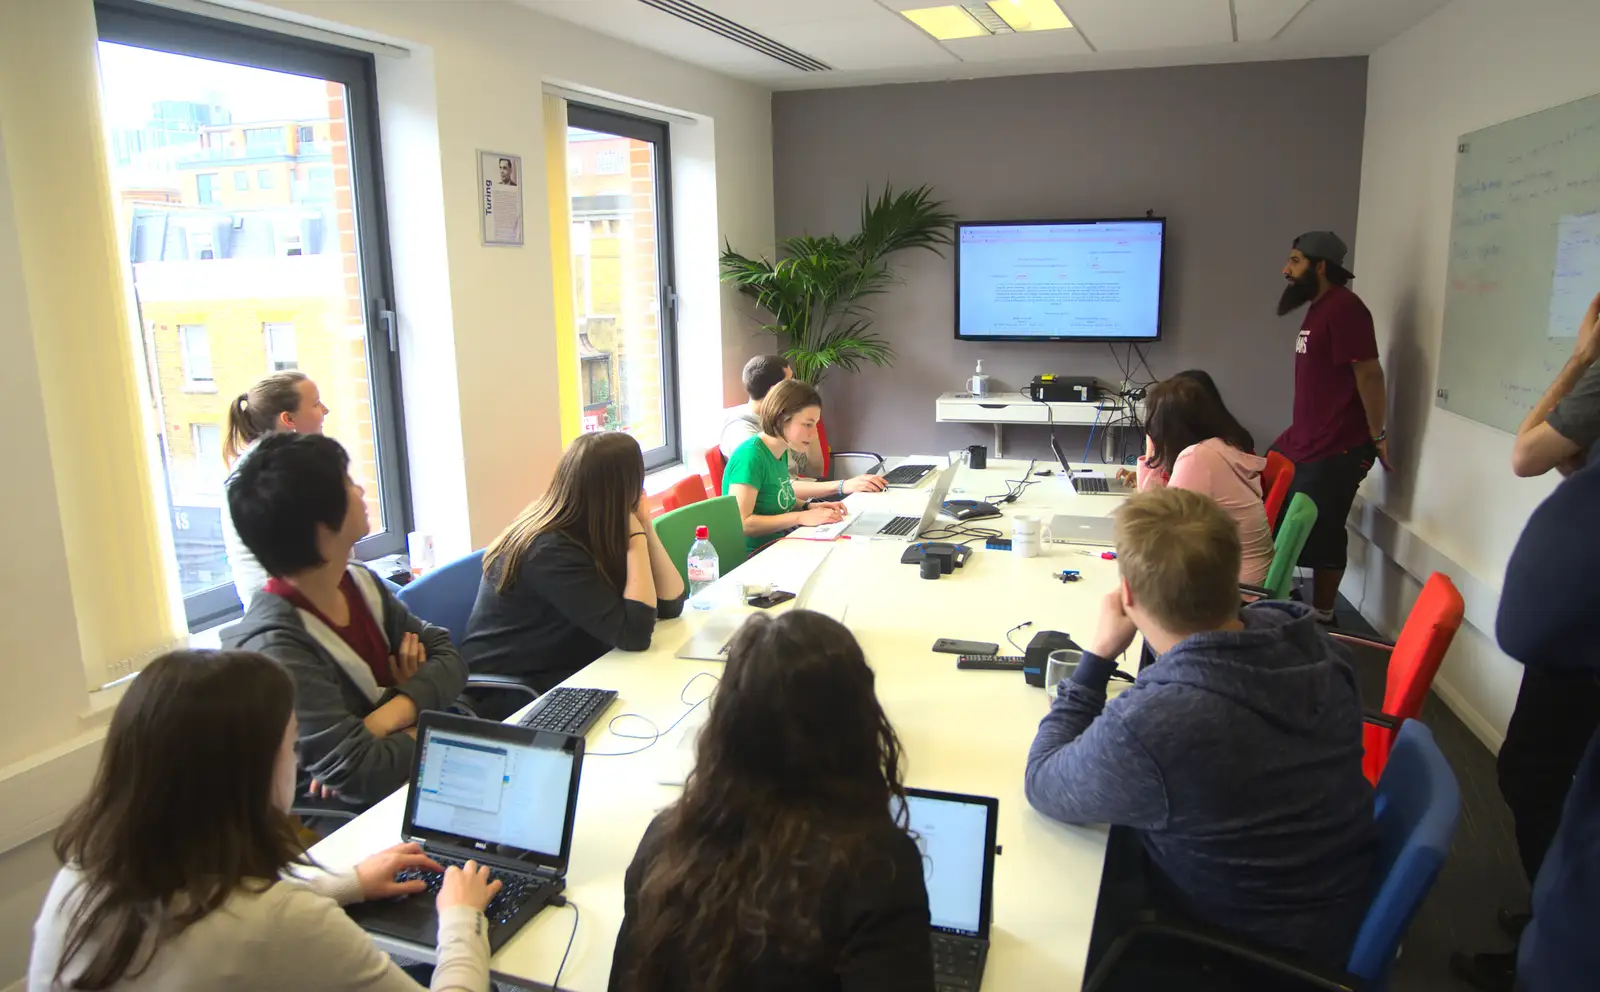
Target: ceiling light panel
<point x="945" y="23"/>
<point x="1031" y="15"/>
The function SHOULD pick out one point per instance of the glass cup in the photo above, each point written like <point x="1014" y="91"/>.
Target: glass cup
<point x="1060" y="665"/>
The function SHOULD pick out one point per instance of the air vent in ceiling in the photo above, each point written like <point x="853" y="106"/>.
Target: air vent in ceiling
<point x="717" y="24"/>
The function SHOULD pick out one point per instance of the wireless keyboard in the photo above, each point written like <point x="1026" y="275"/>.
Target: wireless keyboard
<point x="907" y="475"/>
<point x="568" y="711"/>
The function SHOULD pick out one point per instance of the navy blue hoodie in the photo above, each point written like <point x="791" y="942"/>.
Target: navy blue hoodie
<point x="1237" y="758"/>
<point x="1550" y="615"/>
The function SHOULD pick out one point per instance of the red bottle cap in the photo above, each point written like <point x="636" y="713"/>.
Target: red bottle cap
<point x="701" y="533"/>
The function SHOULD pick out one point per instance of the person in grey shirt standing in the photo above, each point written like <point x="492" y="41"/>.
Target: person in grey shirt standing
<point x="1561" y="428"/>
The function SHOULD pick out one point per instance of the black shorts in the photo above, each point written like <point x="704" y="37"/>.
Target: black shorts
<point x="1331" y="483"/>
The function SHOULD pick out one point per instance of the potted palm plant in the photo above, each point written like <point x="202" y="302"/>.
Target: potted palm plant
<point x="814" y="293"/>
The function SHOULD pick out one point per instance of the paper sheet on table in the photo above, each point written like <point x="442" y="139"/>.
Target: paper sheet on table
<point x="821" y="532"/>
<point x="787" y="568"/>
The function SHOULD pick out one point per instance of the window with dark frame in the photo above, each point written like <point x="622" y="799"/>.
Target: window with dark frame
<point x="626" y="326"/>
<point x="222" y="91"/>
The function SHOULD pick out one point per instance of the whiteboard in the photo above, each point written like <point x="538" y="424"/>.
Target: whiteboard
<point x="1524" y="260"/>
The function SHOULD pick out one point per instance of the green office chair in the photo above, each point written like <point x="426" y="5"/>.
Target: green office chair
<point x="1292" y="533"/>
<point x="720" y="516"/>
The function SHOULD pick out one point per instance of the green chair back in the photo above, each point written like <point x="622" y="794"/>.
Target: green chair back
<point x="720" y="516"/>
<point x="1292" y="533"/>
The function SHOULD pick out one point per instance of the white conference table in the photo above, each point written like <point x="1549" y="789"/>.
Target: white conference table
<point x="963" y="732"/>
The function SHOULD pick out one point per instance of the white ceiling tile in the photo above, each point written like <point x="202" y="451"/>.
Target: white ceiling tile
<point x="868" y="41"/>
<point x="1261" y="20"/>
<point x="1013" y="47"/>
<point x="1143" y="25"/>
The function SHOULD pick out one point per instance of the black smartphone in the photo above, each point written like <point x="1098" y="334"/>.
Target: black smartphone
<point x="946" y="645"/>
<point x="768" y="602"/>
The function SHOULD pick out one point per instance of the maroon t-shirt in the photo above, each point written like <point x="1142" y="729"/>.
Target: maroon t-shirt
<point x="1328" y="415"/>
<point x="361" y="633"/>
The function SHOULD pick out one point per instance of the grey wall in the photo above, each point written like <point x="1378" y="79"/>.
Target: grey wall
<point x="1239" y="158"/>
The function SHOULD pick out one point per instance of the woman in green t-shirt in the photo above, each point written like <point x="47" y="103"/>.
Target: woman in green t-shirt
<point x="757" y="474"/>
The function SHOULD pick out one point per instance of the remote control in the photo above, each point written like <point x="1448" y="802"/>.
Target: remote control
<point x="990" y="663"/>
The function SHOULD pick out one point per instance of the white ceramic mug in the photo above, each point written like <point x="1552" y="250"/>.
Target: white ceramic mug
<point x="1028" y="533"/>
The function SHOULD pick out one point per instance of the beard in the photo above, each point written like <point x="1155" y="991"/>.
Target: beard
<point x="1298" y="293"/>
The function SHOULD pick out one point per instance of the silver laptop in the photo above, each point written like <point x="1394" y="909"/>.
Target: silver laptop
<point x="1098" y="532"/>
<point x="1088" y="482"/>
<point x="885" y="526"/>
<point x="710" y="642"/>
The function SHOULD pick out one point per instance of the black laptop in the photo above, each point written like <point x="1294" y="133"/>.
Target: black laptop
<point x="501" y="794"/>
<point x="956" y="834"/>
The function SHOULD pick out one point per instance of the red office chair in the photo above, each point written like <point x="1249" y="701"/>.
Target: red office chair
<point x="686" y="491"/>
<point x="1413" y="661"/>
<point x="715" y="463"/>
<point x="1275" y="481"/>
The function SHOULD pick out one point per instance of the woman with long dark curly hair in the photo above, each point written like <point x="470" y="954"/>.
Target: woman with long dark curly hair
<point x="782" y="868"/>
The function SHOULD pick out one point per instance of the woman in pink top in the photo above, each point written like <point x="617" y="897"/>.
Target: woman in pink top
<point x="1195" y="444"/>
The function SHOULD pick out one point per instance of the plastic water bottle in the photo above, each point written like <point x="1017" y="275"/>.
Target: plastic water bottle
<point x="703" y="569"/>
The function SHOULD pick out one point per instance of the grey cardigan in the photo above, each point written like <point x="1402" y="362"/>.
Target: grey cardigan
<point x="335" y="690"/>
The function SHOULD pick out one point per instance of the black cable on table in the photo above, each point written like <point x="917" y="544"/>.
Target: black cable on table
<point x="1013" y="630"/>
<point x="570" y="937"/>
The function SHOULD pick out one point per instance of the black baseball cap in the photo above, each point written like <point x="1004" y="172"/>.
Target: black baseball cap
<point x="1324" y="245"/>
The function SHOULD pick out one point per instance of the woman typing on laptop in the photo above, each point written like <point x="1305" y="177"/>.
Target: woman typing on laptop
<point x="782" y="867"/>
<point x="176" y="866"/>
<point x="757" y="474"/>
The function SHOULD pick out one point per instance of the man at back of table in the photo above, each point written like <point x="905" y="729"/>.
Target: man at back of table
<point x="1236" y="756"/>
<point x="743" y="422"/>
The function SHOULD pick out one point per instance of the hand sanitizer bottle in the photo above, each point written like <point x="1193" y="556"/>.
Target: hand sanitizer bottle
<point x="978" y="385"/>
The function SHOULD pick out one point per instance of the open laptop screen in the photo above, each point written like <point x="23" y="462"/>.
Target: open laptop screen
<point x="956" y="836"/>
<point x="481" y="788"/>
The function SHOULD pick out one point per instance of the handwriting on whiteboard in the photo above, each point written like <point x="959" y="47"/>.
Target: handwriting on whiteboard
<point x="1577" y="272"/>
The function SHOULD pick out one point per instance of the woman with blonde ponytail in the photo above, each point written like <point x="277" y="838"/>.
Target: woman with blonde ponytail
<point x="283" y="401"/>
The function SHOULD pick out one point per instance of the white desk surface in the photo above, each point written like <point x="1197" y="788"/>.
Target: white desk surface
<point x="963" y="732"/>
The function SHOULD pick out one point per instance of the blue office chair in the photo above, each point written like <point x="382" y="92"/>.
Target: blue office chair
<point x="444" y="597"/>
<point x="1418" y="804"/>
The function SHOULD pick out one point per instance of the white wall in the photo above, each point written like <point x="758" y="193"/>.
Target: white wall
<point x="1472" y="64"/>
<point x="478" y="337"/>
<point x="488" y="62"/>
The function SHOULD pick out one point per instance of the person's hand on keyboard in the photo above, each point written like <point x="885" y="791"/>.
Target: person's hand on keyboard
<point x="379" y="873"/>
<point x="865" y="484"/>
<point x="467" y="886"/>
<point x="818" y="514"/>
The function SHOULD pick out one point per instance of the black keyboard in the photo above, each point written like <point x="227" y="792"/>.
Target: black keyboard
<point x="568" y="711"/>
<point x="1091" y="484"/>
<point x="900" y="526"/>
<point x="905" y="475"/>
<point x="515" y="890"/>
<point x="957" y="963"/>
